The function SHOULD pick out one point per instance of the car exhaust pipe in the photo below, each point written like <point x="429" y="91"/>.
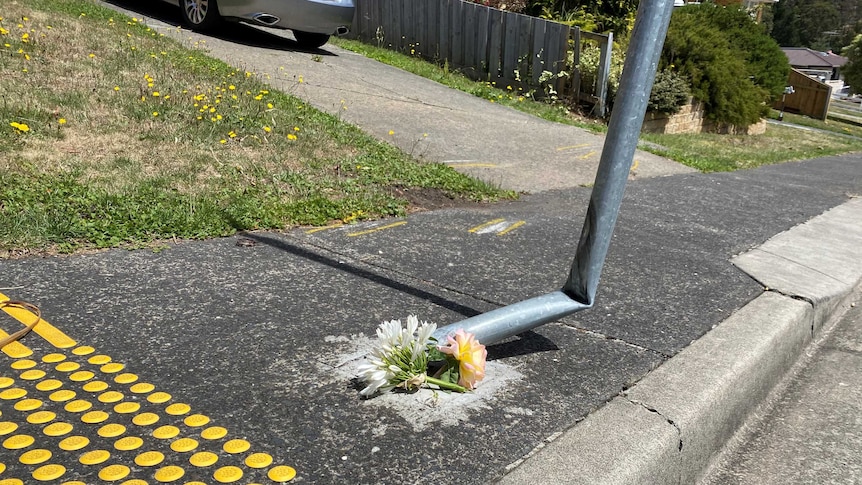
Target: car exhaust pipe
<point x="265" y="19"/>
<point x="342" y="30"/>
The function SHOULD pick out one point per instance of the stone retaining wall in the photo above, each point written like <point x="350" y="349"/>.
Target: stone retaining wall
<point x="691" y="119"/>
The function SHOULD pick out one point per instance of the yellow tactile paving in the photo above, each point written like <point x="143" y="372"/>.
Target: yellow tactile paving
<point x="65" y="401"/>
<point x="44" y="329"/>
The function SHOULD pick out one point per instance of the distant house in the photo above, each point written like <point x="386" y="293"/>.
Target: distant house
<point x="823" y="66"/>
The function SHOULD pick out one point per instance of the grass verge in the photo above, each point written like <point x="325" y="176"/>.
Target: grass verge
<point x="114" y="135"/>
<point x="504" y="95"/>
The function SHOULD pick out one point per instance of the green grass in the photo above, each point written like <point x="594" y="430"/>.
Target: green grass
<point x="828" y="125"/>
<point x="132" y="138"/>
<point x="721" y="153"/>
<point x="490" y="91"/>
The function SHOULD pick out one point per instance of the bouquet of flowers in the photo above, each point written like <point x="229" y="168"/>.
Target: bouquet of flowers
<point x="403" y="356"/>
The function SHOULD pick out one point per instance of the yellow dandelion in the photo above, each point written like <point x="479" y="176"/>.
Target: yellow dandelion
<point x="22" y="127"/>
<point x="258" y="97"/>
<point x="268" y="105"/>
<point x="391" y="132"/>
<point x="155" y="113"/>
<point x="156" y="94"/>
<point x="295" y="128"/>
<point x="267" y="129"/>
<point x="116" y="88"/>
<point x="291" y="136"/>
<point x="301" y="80"/>
<point x="231" y="87"/>
<point x="92" y="56"/>
<point x="62" y="121"/>
<point x="222" y="141"/>
<point x="218" y="117"/>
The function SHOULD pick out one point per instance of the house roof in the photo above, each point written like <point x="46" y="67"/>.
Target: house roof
<point x="807" y="58"/>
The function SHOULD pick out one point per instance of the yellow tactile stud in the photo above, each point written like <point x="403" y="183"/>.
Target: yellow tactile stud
<point x="214" y="433"/>
<point x="183" y="445"/>
<point x="13" y="393"/>
<point x="196" y="420"/>
<point x="149" y="458"/>
<point x="178" y="409"/>
<point x="236" y="446"/>
<point x="94" y="417"/>
<point x="159" y="397"/>
<point x="78" y="406"/>
<point x="112" y="473"/>
<point x="34" y="457"/>
<point x="32" y="375"/>
<point x="169" y="473"/>
<point x="135" y="481"/>
<point x="145" y="419"/>
<point x="281" y="473"/>
<point x="62" y="395"/>
<point x="258" y="460"/>
<point x="48" y="473"/>
<point x="23" y="364"/>
<point x="11" y="481"/>
<point x="95" y="386"/>
<point x="142" y="388"/>
<point x="99" y="359"/>
<point x="73" y="482"/>
<point x="203" y="458"/>
<point x="28" y="404"/>
<point x="6" y="382"/>
<point x="83" y="350"/>
<point x="7" y="427"/>
<point x="67" y="366"/>
<point x="112" y="368"/>
<point x="228" y="474"/>
<point x="53" y="358"/>
<point x="81" y="376"/>
<point x="74" y="443"/>
<point x="166" y="432"/>
<point x="49" y="385"/>
<point x="111" y="397"/>
<point x="126" y="378"/>
<point x="111" y="430"/>
<point x="41" y="417"/>
<point x="95" y="457"/>
<point x="19" y="441"/>
<point x="2" y="467"/>
<point x="57" y="429"/>
<point x="127" y="407"/>
<point x="128" y="443"/>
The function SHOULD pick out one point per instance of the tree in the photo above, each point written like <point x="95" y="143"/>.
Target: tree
<point x="853" y="69"/>
<point x="733" y="66"/>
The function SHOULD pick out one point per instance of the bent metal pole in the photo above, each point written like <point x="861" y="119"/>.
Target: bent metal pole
<point x="579" y="291"/>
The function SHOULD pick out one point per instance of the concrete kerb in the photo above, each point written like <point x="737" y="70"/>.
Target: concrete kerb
<point x="671" y="425"/>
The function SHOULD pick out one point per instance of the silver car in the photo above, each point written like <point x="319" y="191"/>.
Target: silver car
<point x="312" y="21"/>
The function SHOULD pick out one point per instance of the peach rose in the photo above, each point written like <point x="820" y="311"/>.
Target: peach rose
<point x="470" y="355"/>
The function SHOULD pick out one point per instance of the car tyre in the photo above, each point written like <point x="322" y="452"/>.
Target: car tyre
<point x="310" y="40"/>
<point x="200" y="14"/>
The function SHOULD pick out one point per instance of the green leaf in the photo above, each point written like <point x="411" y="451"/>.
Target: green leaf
<point x="450" y="372"/>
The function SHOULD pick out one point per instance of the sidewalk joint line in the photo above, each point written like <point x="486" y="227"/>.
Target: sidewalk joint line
<point x="602" y="336"/>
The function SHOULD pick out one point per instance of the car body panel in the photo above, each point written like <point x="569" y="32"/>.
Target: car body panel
<point x="314" y="16"/>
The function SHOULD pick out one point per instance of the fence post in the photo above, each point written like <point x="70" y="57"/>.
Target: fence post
<point x="604" y="74"/>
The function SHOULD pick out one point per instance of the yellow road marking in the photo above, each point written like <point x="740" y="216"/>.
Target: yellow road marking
<point x="572" y="147"/>
<point x="489" y="223"/>
<point x="318" y="229"/>
<point x="16" y="350"/>
<point x="635" y="165"/>
<point x="511" y="228"/>
<point x="588" y="155"/>
<point x="381" y="228"/>
<point x="47" y="331"/>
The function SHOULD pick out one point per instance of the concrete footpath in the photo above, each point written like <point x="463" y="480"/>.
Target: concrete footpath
<point x="234" y="359"/>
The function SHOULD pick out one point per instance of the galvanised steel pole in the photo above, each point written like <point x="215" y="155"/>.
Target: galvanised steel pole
<point x="579" y="292"/>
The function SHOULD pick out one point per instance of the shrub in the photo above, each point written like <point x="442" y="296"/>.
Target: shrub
<point x="669" y="92"/>
<point x="735" y="81"/>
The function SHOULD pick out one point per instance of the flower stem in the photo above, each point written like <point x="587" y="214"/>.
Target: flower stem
<point x="445" y="385"/>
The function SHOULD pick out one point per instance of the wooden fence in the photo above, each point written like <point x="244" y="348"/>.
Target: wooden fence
<point x="810" y="97"/>
<point x="484" y="43"/>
